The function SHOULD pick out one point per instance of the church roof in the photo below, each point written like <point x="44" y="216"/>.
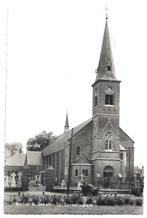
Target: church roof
<point x="123" y="136"/>
<point x="59" y="143"/>
<point x="105" y="68"/>
<point x="34" y="158"/>
<point x="17" y="159"/>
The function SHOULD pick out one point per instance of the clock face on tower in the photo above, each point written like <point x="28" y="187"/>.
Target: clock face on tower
<point x="109" y="91"/>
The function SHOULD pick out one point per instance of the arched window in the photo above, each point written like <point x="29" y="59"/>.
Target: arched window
<point x="108" y="141"/>
<point x="121" y="156"/>
<point x="95" y="97"/>
<point x="78" y="150"/>
<point x="86" y="172"/>
<point x="83" y="172"/>
<point x="108" y="172"/>
<point x="76" y="172"/>
<point x="108" y="99"/>
<point x="109" y="96"/>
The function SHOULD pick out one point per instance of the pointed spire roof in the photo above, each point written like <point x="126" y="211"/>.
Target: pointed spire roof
<point x="105" y="68"/>
<point x="66" y="121"/>
<point x="66" y="127"/>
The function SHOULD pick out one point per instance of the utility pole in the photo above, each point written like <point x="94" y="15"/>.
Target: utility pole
<point x="129" y="168"/>
<point x="69" y="165"/>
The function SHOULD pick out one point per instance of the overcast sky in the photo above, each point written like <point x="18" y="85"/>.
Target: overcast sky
<point x="53" y="51"/>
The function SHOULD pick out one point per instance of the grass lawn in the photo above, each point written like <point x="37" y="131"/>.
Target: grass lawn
<point x="126" y="209"/>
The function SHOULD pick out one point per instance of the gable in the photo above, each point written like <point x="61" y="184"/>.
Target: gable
<point x="17" y="159"/>
<point x="33" y="158"/>
<point x="109" y="127"/>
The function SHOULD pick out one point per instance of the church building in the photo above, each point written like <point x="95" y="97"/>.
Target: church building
<point x="98" y="147"/>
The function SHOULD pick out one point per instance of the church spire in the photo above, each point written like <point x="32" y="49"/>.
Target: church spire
<point x="66" y="127"/>
<point x="105" y="68"/>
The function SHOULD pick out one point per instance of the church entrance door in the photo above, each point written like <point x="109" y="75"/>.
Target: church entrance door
<point x="107" y="175"/>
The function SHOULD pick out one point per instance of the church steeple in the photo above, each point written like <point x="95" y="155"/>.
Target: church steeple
<point x="106" y="87"/>
<point x="105" y="68"/>
<point x="66" y="127"/>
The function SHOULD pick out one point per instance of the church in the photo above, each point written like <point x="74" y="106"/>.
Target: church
<point x="97" y="148"/>
<point x="96" y="151"/>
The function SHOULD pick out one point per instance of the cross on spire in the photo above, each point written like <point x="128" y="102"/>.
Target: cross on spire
<point x="106" y="14"/>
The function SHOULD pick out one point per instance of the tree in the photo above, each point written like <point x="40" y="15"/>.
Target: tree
<point x="40" y="141"/>
<point x="12" y="148"/>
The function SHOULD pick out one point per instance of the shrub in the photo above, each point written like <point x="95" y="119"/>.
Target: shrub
<point x="44" y="199"/>
<point x="76" y="199"/>
<point x="100" y="201"/>
<point x="19" y="199"/>
<point x="106" y="200"/>
<point x="131" y="201"/>
<point x="24" y="199"/>
<point x="138" y="201"/>
<point x="54" y="200"/>
<point x="120" y="200"/>
<point x="89" y="201"/>
<point x="127" y="200"/>
<point x="111" y="201"/>
<point x="79" y="200"/>
<point x="8" y="201"/>
<point x="35" y="200"/>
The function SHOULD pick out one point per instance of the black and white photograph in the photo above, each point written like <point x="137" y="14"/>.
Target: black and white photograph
<point x="73" y="94"/>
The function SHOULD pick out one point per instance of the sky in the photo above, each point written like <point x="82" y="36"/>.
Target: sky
<point x="53" y="52"/>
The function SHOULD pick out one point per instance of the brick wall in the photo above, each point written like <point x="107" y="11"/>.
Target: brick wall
<point x="83" y="139"/>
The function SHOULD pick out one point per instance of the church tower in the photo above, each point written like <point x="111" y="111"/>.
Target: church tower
<point x="100" y="151"/>
<point x="105" y="114"/>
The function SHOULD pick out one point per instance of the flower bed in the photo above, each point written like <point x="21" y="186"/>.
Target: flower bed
<point x="76" y="199"/>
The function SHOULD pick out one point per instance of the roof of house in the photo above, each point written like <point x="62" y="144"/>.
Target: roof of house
<point x="59" y="143"/>
<point x="17" y="159"/>
<point x="34" y="158"/>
